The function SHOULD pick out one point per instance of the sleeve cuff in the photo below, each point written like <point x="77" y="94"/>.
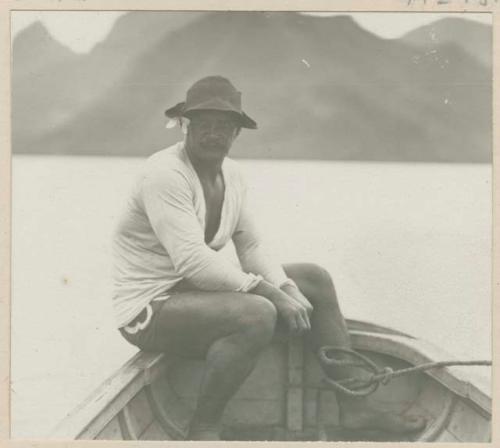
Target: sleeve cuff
<point x="288" y="282"/>
<point x="251" y="282"/>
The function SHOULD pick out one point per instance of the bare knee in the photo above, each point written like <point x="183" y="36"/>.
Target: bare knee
<point x="258" y="319"/>
<point x="316" y="284"/>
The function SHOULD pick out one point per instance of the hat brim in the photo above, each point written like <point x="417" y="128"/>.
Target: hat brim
<point x="179" y="110"/>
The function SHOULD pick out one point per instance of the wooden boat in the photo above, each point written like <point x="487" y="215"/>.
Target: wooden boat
<point x="151" y="397"/>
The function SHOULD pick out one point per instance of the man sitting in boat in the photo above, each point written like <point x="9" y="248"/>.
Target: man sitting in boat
<point x="176" y="293"/>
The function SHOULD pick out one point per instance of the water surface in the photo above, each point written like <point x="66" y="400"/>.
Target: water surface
<point x="408" y="246"/>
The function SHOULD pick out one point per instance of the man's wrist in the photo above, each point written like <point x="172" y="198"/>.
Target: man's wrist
<point x="288" y="283"/>
<point x="269" y="291"/>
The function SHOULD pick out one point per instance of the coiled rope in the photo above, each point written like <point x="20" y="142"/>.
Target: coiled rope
<point x="363" y="387"/>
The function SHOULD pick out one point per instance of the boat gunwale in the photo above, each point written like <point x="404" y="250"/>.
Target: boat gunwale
<point x="419" y="352"/>
<point x="143" y="368"/>
<point x="124" y="383"/>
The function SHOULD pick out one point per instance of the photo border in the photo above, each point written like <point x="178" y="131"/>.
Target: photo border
<point x="6" y="6"/>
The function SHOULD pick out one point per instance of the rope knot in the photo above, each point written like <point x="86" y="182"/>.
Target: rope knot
<point x="362" y="388"/>
<point x="387" y="373"/>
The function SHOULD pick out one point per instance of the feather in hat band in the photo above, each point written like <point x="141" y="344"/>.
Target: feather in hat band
<point x="212" y="93"/>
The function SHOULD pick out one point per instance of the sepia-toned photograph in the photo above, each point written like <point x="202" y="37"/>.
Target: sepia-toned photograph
<point x="251" y="226"/>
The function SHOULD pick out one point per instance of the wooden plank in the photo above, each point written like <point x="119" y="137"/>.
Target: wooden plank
<point x="112" y="410"/>
<point x="254" y="413"/>
<point x="311" y="396"/>
<point x="125" y="419"/>
<point x="101" y="406"/>
<point x="154" y="432"/>
<point x="432" y="396"/>
<point x="128" y="428"/>
<point x="91" y="417"/>
<point x="417" y="351"/>
<point x="112" y="431"/>
<point x="249" y="434"/>
<point x="440" y="419"/>
<point x="139" y="414"/>
<point x="447" y="437"/>
<point x="361" y="325"/>
<point x="295" y="361"/>
<point x="467" y="425"/>
<point x="294" y="409"/>
<point x="295" y="393"/>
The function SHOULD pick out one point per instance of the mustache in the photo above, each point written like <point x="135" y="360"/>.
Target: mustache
<point x="212" y="141"/>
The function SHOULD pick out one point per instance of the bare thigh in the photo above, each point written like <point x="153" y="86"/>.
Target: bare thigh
<point x="188" y="323"/>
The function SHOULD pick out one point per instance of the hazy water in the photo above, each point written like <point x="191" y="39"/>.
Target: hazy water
<point x="408" y="246"/>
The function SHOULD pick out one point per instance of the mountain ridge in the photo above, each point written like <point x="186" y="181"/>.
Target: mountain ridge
<point x="315" y="85"/>
<point x="474" y="37"/>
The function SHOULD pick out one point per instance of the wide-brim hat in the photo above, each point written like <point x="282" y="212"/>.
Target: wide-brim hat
<point x="212" y="93"/>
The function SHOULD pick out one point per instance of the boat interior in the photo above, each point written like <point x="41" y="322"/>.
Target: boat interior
<point x="285" y="398"/>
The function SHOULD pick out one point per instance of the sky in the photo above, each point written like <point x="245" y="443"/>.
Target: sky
<point x="71" y="28"/>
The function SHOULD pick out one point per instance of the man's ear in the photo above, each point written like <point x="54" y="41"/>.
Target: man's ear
<point x="184" y="124"/>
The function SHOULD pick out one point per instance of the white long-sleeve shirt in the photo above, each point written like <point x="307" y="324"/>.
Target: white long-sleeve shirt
<point x="160" y="237"/>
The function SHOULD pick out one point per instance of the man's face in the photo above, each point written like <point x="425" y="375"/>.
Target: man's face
<point x="211" y="134"/>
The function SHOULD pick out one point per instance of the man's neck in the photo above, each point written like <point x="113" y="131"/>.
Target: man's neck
<point x="206" y="170"/>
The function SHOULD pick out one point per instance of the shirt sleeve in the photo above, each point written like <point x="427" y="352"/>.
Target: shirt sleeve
<point x="249" y="248"/>
<point x="169" y="205"/>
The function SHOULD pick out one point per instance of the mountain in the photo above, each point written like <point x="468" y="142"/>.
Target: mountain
<point x="35" y="50"/>
<point x="38" y="66"/>
<point x="319" y="87"/>
<point x="473" y="37"/>
<point x="51" y="84"/>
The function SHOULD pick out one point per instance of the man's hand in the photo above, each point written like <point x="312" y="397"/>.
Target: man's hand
<point x="297" y="295"/>
<point x="294" y="314"/>
<point x="290" y="309"/>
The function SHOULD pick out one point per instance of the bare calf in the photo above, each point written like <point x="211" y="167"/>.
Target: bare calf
<point x="228" y="330"/>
